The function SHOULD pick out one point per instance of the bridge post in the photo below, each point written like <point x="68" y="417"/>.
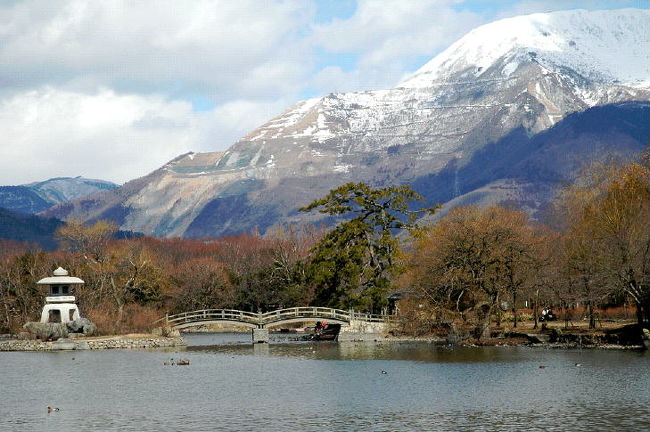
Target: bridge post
<point x="260" y="335"/>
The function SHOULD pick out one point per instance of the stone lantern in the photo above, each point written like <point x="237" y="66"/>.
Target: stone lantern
<point x="60" y="303"/>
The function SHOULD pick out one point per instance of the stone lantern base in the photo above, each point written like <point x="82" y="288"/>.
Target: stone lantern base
<point x="66" y="311"/>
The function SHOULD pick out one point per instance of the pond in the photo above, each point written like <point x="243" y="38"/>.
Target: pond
<point x="232" y="385"/>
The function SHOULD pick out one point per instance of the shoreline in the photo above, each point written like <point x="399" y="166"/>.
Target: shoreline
<point x="117" y="342"/>
<point x="93" y="343"/>
<point x="623" y="337"/>
<point x="552" y="339"/>
<point x="442" y="342"/>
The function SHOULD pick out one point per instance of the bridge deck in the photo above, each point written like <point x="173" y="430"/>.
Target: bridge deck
<point x="261" y="320"/>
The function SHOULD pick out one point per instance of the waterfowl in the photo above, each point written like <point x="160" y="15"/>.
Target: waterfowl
<point x="51" y="409"/>
<point x="384" y="372"/>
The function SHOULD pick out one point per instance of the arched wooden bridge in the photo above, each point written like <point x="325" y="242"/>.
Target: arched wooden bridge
<point x="268" y="319"/>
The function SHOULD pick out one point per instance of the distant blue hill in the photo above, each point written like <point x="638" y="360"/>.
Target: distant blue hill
<point x="22" y="199"/>
<point x="36" y="197"/>
<point x="28" y="228"/>
<point x="39" y="230"/>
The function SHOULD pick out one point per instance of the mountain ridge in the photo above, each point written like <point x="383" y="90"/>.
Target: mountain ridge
<point x="401" y="135"/>
<point x="604" y="38"/>
<point x="36" y="197"/>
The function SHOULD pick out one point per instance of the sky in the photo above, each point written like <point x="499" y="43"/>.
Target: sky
<point x="115" y="89"/>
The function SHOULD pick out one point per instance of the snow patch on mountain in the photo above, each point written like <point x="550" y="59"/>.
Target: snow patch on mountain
<point x="609" y="46"/>
<point x="475" y="103"/>
<point x="590" y="50"/>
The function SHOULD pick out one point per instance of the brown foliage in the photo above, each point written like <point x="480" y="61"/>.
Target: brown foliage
<point x="136" y="319"/>
<point x="128" y="283"/>
<point x="473" y="258"/>
<point x="88" y="239"/>
<point x="20" y="298"/>
<point x="608" y="233"/>
<point x="10" y="248"/>
<point x="202" y="283"/>
<point x="419" y="318"/>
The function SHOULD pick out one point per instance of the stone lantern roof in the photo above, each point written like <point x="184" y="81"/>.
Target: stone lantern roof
<point x="61" y="277"/>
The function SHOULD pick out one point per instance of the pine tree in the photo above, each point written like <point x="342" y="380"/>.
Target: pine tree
<point x="353" y="265"/>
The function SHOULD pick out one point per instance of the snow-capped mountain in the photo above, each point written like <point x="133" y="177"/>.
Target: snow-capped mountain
<point x="466" y="123"/>
<point x="603" y="46"/>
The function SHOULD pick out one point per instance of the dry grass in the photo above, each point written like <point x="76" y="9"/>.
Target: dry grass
<point x="135" y="319"/>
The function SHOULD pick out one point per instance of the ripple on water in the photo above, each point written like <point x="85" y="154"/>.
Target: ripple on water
<point x="232" y="385"/>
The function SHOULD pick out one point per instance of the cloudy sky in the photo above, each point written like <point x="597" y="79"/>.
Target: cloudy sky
<point x="114" y="89"/>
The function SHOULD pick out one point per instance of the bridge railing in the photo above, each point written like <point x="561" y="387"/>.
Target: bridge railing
<point x="262" y="319"/>
<point x="361" y="316"/>
<point x="210" y="315"/>
<point x="304" y="312"/>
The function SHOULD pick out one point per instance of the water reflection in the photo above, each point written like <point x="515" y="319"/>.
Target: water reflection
<point x="288" y="346"/>
<point x="233" y="385"/>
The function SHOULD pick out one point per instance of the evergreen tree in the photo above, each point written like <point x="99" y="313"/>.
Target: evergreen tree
<point x="353" y="265"/>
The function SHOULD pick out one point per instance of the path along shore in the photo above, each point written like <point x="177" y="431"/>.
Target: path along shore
<point x="624" y="338"/>
<point x="134" y="341"/>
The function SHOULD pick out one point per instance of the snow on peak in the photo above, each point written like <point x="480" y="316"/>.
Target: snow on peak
<point x="287" y="120"/>
<point x="607" y="45"/>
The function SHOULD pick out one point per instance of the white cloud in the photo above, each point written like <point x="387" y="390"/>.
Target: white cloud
<point x="250" y="57"/>
<point x="525" y="7"/>
<point x="222" y="126"/>
<point x="101" y="88"/>
<point x="334" y="79"/>
<point x="388" y="36"/>
<point x="152" y="45"/>
<point x="52" y="132"/>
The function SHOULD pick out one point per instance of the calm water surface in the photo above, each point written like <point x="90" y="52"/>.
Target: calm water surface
<point x="232" y="385"/>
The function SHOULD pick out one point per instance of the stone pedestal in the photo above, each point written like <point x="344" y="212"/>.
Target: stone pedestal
<point x="64" y="344"/>
<point x="260" y="335"/>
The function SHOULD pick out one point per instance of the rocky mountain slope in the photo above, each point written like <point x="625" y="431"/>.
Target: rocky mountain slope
<point x="39" y="196"/>
<point x="506" y="113"/>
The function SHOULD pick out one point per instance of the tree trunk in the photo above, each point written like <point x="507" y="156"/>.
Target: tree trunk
<point x="643" y="315"/>
<point x="591" y="314"/>
<point x="120" y="314"/>
<point x="118" y="302"/>
<point x="514" y="309"/>
<point x="535" y="307"/>
<point x="566" y="315"/>
<point x="7" y="318"/>
<point x="483" y="326"/>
